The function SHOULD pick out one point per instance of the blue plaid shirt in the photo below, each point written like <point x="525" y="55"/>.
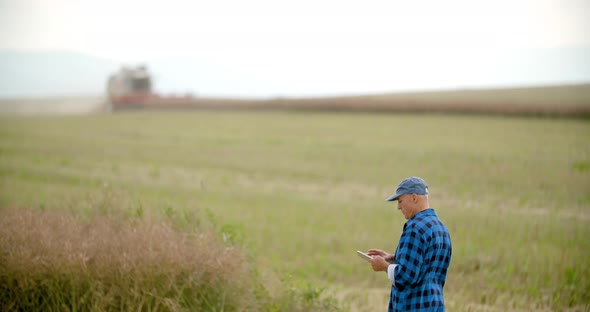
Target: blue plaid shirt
<point x="423" y="256"/>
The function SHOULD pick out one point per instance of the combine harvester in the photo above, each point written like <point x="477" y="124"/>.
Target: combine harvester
<point x="129" y="88"/>
<point x="132" y="88"/>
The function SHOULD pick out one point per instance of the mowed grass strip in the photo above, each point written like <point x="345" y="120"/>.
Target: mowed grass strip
<point x="303" y="191"/>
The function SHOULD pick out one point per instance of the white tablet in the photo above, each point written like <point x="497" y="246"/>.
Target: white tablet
<point x="363" y="255"/>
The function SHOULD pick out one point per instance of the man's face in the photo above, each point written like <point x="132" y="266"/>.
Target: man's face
<point x="406" y="205"/>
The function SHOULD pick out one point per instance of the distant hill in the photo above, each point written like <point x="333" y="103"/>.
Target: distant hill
<point x="53" y="74"/>
<point x="69" y="74"/>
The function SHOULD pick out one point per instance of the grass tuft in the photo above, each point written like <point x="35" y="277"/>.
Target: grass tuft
<point x="62" y="261"/>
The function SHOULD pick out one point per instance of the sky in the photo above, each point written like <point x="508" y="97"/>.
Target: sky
<point x="305" y="47"/>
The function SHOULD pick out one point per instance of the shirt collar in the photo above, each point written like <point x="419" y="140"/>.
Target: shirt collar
<point x="425" y="212"/>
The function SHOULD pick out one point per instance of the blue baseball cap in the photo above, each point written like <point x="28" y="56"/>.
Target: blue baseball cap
<point x="411" y="185"/>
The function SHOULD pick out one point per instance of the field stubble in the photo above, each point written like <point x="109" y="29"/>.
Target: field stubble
<point x="303" y="191"/>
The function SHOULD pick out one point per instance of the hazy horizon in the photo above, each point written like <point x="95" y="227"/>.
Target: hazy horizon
<point x="305" y="48"/>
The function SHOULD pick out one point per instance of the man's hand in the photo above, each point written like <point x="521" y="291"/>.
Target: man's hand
<point x="378" y="252"/>
<point x="378" y="263"/>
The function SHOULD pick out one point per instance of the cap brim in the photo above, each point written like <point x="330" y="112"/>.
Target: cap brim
<point x="393" y="197"/>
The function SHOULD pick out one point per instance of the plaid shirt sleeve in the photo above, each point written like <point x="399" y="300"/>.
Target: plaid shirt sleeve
<point x="408" y="257"/>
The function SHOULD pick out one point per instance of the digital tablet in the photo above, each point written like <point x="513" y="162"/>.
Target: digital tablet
<point x="363" y="255"/>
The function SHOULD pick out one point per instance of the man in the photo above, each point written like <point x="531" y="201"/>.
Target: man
<point x="418" y="268"/>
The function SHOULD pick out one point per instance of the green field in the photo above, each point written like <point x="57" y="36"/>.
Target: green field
<point x="303" y="191"/>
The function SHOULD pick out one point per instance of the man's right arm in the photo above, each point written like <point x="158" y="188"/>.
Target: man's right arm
<point x="408" y="258"/>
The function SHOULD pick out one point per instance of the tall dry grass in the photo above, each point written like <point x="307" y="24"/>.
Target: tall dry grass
<point x="55" y="261"/>
<point x="550" y="101"/>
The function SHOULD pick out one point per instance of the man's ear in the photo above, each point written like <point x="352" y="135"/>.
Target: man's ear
<point x="415" y="198"/>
